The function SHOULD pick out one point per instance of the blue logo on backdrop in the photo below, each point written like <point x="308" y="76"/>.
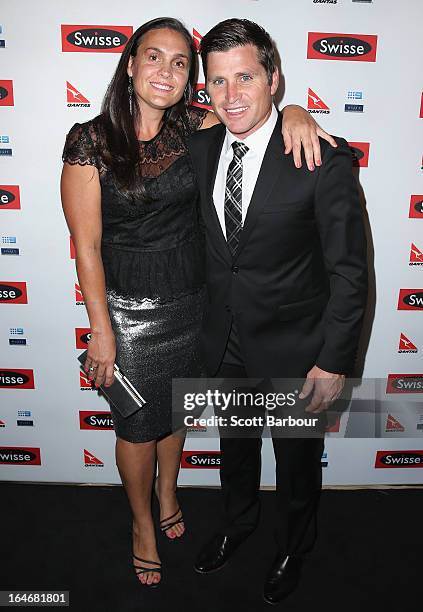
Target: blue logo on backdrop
<point x="24" y="413"/>
<point x="16" y="331"/>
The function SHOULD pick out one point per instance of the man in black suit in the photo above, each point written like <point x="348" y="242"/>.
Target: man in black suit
<point x="286" y="283"/>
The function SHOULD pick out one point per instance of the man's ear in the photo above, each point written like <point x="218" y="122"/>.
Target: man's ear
<point x="129" y="68"/>
<point x="275" y="82"/>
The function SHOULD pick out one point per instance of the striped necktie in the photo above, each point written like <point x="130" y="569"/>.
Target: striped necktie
<point x="233" y="197"/>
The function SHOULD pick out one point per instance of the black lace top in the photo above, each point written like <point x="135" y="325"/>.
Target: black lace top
<point x="154" y="248"/>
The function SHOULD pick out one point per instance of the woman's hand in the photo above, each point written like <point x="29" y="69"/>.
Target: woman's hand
<point x="299" y="128"/>
<point x="101" y="357"/>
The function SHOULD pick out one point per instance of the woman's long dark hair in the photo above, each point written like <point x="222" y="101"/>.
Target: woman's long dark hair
<point x="120" y="150"/>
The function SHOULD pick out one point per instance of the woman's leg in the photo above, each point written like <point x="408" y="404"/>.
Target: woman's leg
<point x="169" y="450"/>
<point x="136" y="465"/>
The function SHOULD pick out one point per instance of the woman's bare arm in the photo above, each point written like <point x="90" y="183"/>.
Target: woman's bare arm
<point x="81" y="200"/>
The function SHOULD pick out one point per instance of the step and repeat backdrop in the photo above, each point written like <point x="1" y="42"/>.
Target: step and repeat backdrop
<point x="356" y="66"/>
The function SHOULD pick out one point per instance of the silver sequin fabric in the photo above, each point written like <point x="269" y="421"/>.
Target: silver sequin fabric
<point x="156" y="341"/>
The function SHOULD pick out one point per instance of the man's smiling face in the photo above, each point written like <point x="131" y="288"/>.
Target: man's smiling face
<point x="239" y="89"/>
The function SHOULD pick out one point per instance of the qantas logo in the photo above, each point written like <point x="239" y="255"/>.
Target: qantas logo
<point x="344" y="47"/>
<point x="9" y="197"/>
<point x="416" y="256"/>
<point x="91" y="460"/>
<point x="392" y="424"/>
<point x="405" y="345"/>
<point x="79" y="298"/>
<point x="201" y="459"/>
<point x="360" y="153"/>
<point x="399" y="459"/>
<point x="75" y="97"/>
<point x="421" y="107"/>
<point x="196" y="37"/>
<point x="6" y="93"/>
<point x="316" y="104"/>
<point x="416" y="207"/>
<point x="95" y="420"/>
<point x="95" y="39"/>
<point x="201" y="97"/>
<point x="410" y="299"/>
<point x="405" y="383"/>
<point x="83" y="336"/>
<point x="13" y="293"/>
<point x="20" y="455"/>
<point x="85" y="383"/>
<point x="16" y="379"/>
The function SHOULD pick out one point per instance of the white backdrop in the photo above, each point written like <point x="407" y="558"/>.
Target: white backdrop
<point x="41" y="438"/>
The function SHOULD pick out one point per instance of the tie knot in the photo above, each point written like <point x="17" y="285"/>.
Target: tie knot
<point x="240" y="149"/>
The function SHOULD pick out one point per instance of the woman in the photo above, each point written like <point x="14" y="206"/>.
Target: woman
<point x="129" y="198"/>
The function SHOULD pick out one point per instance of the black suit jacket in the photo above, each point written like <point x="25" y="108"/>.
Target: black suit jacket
<point x="297" y="285"/>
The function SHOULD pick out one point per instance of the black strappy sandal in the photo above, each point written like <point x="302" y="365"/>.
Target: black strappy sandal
<point x="165" y="527"/>
<point x="144" y="570"/>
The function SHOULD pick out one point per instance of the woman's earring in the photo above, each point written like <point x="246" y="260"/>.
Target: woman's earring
<point x="130" y="94"/>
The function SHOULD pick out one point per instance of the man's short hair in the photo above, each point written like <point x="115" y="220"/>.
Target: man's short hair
<point x="233" y="33"/>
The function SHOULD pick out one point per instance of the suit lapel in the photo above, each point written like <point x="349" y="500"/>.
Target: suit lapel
<point x="268" y="175"/>
<point x="213" y="156"/>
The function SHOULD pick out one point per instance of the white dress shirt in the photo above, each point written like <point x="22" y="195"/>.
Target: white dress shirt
<point x="251" y="163"/>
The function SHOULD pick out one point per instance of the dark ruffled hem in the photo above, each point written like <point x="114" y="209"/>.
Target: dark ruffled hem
<point x="157" y="275"/>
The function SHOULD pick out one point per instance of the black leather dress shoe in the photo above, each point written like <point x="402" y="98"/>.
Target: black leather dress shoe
<point x="216" y="553"/>
<point x="282" y="578"/>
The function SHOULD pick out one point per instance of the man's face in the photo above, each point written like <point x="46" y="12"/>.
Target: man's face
<point x="239" y="89"/>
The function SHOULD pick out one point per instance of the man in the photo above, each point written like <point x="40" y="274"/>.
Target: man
<point x="286" y="282"/>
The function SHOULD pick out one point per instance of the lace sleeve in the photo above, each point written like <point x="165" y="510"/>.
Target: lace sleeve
<point x="196" y="117"/>
<point x="81" y="146"/>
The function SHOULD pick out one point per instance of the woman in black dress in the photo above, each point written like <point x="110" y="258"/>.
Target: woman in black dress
<point x="130" y="201"/>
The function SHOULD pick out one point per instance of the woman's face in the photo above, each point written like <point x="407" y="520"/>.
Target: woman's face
<point x="160" y="69"/>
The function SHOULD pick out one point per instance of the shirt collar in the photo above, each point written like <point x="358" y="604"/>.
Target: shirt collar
<point x="258" y="140"/>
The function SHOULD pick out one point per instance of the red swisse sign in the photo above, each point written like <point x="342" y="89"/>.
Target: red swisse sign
<point x="20" y="455"/>
<point x="16" y="379"/>
<point x="410" y="299"/>
<point x="416" y="207"/>
<point x="201" y="459"/>
<point x="72" y="248"/>
<point x="399" y="459"/>
<point x="95" y="38"/>
<point x="344" y="47"/>
<point x="12" y="292"/>
<point x="9" y="197"/>
<point x="201" y="97"/>
<point x="360" y="152"/>
<point x="82" y="336"/>
<point x="88" y="419"/>
<point x="404" y="383"/>
<point x="6" y="93"/>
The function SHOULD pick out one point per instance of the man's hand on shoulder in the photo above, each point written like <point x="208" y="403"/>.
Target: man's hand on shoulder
<point x="326" y="388"/>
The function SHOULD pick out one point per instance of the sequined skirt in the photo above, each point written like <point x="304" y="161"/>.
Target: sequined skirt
<point x="155" y="342"/>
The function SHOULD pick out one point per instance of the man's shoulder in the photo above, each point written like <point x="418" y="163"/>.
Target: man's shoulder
<point x="325" y="146"/>
<point x="207" y="135"/>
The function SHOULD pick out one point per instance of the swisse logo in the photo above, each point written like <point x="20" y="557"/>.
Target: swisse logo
<point x="25" y="455"/>
<point x="13" y="293"/>
<point x="6" y="93"/>
<point x="201" y="97"/>
<point x="399" y="459"/>
<point x="95" y="39"/>
<point x="9" y="197"/>
<point x="360" y="153"/>
<point x="95" y="420"/>
<point x="16" y="379"/>
<point x="404" y="383"/>
<point x="82" y="336"/>
<point x="201" y="459"/>
<point x="344" y="47"/>
<point x="410" y="299"/>
<point x="416" y="207"/>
